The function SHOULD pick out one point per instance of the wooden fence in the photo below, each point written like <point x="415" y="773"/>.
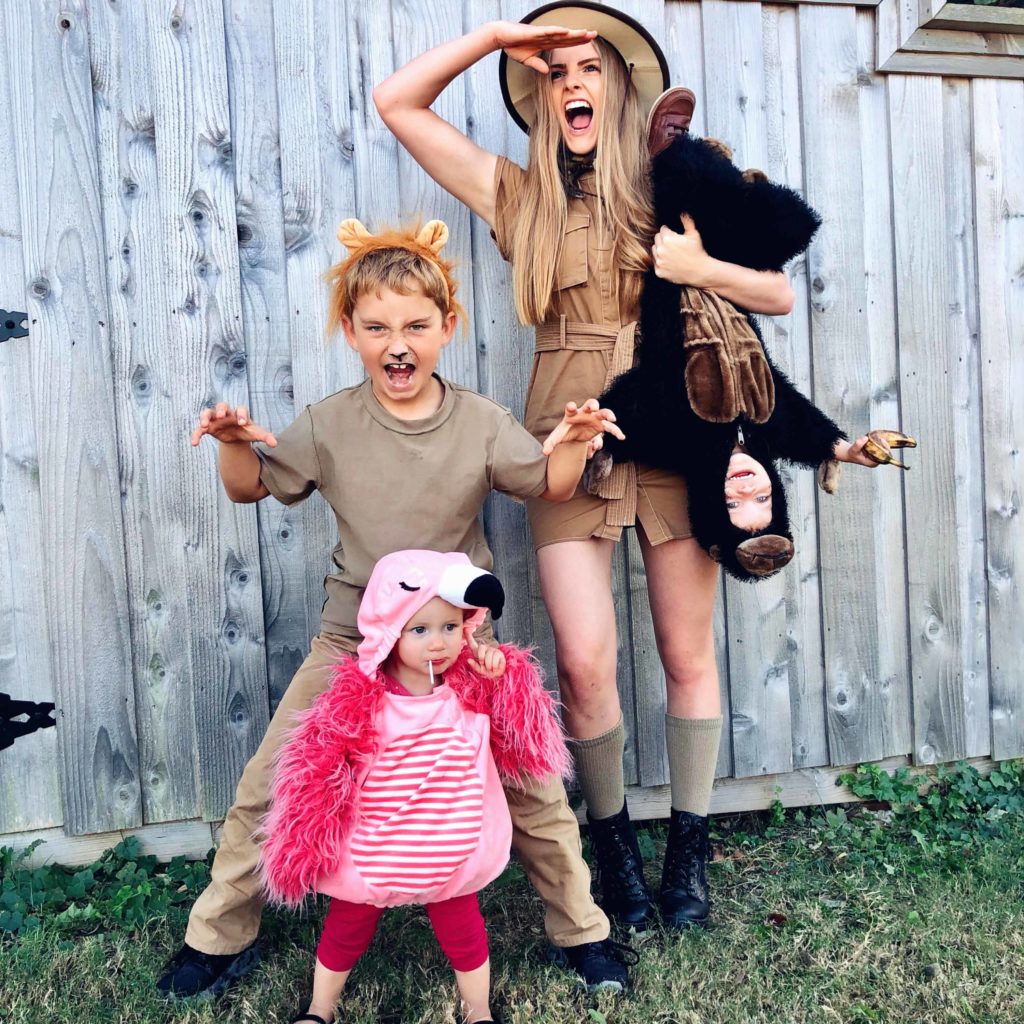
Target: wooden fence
<point x="173" y="179"/>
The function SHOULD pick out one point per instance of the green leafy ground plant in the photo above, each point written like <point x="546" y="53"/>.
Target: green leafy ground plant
<point x="123" y="890"/>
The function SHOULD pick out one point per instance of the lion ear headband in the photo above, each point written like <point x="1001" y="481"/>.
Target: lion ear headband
<point x="354" y="236"/>
<point x="426" y="242"/>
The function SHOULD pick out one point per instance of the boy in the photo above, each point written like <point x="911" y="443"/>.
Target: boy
<point x="405" y="460"/>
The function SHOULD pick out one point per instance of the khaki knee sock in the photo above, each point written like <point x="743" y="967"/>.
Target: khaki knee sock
<point x="599" y="770"/>
<point x="692" y="754"/>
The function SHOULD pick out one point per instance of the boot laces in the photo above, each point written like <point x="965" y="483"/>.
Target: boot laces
<point x="618" y="868"/>
<point x="685" y="866"/>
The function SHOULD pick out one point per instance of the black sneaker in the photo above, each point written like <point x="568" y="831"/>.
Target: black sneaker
<point x="191" y="974"/>
<point x="602" y="966"/>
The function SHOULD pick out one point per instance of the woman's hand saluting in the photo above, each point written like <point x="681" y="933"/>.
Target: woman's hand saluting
<point x="523" y="42"/>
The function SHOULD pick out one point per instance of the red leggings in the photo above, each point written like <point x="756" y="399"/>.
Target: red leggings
<point x="457" y="923"/>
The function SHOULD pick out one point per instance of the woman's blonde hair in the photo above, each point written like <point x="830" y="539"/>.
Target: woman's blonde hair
<point x="622" y="172"/>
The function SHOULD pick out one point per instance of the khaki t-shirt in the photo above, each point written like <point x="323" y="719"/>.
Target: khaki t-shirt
<point x="397" y="484"/>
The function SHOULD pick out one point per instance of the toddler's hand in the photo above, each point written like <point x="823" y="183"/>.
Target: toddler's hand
<point x="487" y="660"/>
<point x="583" y="423"/>
<point x="230" y="426"/>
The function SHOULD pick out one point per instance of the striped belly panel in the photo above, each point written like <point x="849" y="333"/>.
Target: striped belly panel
<point x="421" y="812"/>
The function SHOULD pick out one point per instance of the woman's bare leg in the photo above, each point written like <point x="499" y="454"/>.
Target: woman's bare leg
<point x="576" y="583"/>
<point x="681" y="582"/>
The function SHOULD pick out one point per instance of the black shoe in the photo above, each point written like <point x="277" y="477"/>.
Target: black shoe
<point x="620" y="871"/>
<point x="602" y="966"/>
<point x="205" y="975"/>
<point x="683" y="898"/>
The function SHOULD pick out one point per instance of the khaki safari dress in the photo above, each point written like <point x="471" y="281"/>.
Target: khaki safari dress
<point x="587" y="339"/>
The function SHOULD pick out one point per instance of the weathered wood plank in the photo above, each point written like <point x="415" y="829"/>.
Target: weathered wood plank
<point x="849" y="369"/>
<point x="968" y="65"/>
<point x="759" y="654"/>
<point x="887" y="22"/>
<point x="892" y="668"/>
<point x="928" y="348"/>
<point x="371" y="60"/>
<point x="260" y="217"/>
<point x="938" y="41"/>
<point x="83" y="567"/>
<point x="964" y="383"/>
<point x="29" y="780"/>
<point x="788" y="339"/>
<point x="976" y="18"/>
<point x="998" y="110"/>
<point x="317" y="194"/>
<point x="202" y="326"/>
<point x="805" y="787"/>
<point x="148" y="411"/>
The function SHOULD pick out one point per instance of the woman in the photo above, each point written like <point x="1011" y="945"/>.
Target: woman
<point x="578" y="228"/>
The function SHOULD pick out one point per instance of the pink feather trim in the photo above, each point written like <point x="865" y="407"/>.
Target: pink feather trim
<point x="527" y="741"/>
<point x="314" y="795"/>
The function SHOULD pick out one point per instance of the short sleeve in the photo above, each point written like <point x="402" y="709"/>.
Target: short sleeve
<point x="519" y="467"/>
<point x="291" y="471"/>
<point x="509" y="180"/>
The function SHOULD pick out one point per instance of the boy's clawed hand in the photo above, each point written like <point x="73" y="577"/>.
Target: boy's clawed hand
<point x="487" y="660"/>
<point x="230" y="426"/>
<point x="586" y="422"/>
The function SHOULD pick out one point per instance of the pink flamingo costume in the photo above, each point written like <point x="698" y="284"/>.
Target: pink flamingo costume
<point x="381" y="798"/>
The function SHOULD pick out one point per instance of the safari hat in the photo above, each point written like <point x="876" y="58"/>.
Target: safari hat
<point x="649" y="69"/>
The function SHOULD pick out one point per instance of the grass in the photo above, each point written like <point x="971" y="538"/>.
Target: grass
<point x="817" y="919"/>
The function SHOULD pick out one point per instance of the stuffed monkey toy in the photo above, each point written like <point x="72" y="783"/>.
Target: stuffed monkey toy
<point x="702" y="363"/>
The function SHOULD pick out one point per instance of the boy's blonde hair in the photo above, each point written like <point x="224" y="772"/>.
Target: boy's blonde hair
<point x="402" y="259"/>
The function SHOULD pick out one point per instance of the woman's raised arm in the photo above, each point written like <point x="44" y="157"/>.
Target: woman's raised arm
<point x="403" y="100"/>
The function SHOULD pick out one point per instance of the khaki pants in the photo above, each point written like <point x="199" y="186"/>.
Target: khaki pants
<point x="545" y="837"/>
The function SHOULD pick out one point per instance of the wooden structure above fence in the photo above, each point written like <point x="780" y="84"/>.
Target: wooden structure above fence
<point x="174" y="178"/>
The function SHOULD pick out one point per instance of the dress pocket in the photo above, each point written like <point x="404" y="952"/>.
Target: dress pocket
<point x="572" y="262"/>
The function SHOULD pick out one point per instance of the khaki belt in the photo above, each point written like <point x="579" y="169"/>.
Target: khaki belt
<point x="619" y="487"/>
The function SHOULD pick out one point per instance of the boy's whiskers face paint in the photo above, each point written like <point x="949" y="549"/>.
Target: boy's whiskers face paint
<point x="399" y="338"/>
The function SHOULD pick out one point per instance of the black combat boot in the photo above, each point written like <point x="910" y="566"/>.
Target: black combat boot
<point x="684" y="899"/>
<point x="620" y="871"/>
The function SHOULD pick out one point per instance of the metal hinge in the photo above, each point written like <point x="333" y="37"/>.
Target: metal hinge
<point x="13" y="324"/>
